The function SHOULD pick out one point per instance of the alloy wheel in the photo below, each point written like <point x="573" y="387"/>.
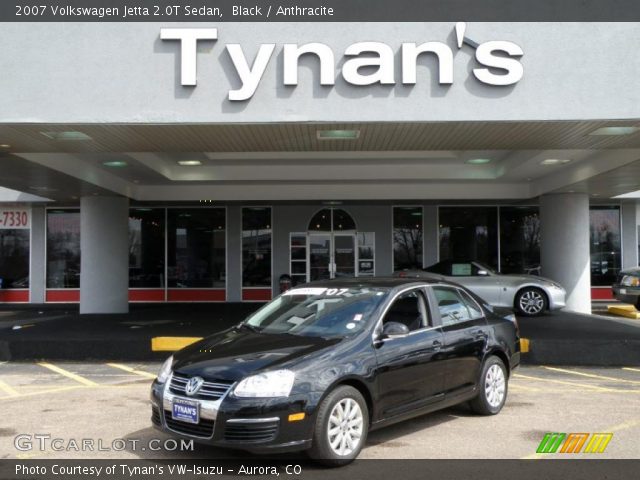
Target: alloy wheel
<point x="345" y="427"/>
<point x="494" y="385"/>
<point x="531" y="302"/>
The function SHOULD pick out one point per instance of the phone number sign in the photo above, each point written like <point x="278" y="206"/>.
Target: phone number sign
<point x="12" y="218"/>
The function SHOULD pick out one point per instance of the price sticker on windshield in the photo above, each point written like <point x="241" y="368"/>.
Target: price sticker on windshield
<point x="15" y="218"/>
<point x="315" y="291"/>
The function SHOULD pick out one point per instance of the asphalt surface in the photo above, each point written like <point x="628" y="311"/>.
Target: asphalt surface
<point x="75" y="401"/>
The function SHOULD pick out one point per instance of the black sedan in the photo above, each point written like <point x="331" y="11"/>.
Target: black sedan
<point x="321" y="365"/>
<point x="627" y="287"/>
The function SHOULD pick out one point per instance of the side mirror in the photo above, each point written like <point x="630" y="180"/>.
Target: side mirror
<point x="483" y="273"/>
<point x="394" y="329"/>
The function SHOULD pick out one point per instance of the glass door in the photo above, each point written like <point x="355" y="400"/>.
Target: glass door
<point x="344" y="255"/>
<point x="319" y="259"/>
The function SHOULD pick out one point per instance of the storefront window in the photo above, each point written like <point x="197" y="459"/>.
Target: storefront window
<point x="63" y="249"/>
<point x="407" y="238"/>
<point x="469" y="233"/>
<point x="605" y="245"/>
<point x="14" y="258"/>
<point x="256" y="247"/>
<point x="520" y="240"/>
<point x="196" y="248"/>
<point x="146" y="247"/>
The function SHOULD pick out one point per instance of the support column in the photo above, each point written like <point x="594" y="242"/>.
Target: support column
<point x="629" y="222"/>
<point x="104" y="265"/>
<point x="37" y="260"/>
<point x="431" y="232"/>
<point x="234" y="254"/>
<point x="564" y="246"/>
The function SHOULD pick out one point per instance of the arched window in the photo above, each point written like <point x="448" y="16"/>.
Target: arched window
<point x="331" y="220"/>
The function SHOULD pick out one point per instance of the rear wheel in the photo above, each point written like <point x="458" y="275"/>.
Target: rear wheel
<point x="493" y="386"/>
<point x="531" y="302"/>
<point x="341" y="427"/>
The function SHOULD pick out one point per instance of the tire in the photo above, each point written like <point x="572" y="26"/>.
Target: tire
<point x="493" y="386"/>
<point x="329" y="414"/>
<point x="638" y="304"/>
<point x="531" y="302"/>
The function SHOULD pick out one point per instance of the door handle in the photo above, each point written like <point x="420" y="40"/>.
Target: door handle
<point x="478" y="334"/>
<point x="436" y="345"/>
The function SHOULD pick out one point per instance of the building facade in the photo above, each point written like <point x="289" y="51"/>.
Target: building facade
<point x="187" y="162"/>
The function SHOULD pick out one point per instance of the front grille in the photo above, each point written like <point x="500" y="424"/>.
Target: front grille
<point x="208" y="391"/>
<point x="251" y="432"/>
<point x="155" y="415"/>
<point x="204" y="429"/>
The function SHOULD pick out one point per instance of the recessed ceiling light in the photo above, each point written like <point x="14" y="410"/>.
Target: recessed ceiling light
<point x="554" y="161"/>
<point x="5" y="145"/>
<point x="615" y="131"/>
<point x="337" y="134"/>
<point x="332" y="202"/>
<point x="595" y="194"/>
<point x="70" y="135"/>
<point x="115" y="163"/>
<point x="189" y="163"/>
<point x="43" y="189"/>
<point x="478" y="161"/>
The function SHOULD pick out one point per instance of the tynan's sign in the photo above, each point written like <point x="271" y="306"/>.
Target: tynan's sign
<point x="367" y="63"/>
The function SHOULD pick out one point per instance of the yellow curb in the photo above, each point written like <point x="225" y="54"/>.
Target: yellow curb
<point x="628" y="311"/>
<point x="171" y="344"/>
<point x="524" y="345"/>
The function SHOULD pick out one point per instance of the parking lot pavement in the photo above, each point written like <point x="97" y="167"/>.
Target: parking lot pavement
<point x="108" y="403"/>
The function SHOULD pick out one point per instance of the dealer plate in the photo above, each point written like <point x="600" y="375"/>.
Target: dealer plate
<point x="185" y="410"/>
<point x="623" y="291"/>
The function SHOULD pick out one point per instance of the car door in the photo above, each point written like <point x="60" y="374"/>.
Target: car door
<point x="466" y="333"/>
<point x="409" y="367"/>
<point x="485" y="286"/>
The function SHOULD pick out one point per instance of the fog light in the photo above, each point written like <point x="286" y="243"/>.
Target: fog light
<point x="296" y="417"/>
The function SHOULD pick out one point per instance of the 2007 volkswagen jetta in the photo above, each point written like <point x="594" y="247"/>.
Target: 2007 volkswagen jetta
<point x="321" y="365"/>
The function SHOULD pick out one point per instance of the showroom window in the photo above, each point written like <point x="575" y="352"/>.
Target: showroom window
<point x="146" y="247"/>
<point x="196" y="239"/>
<point x="469" y="233"/>
<point x="604" y="233"/>
<point x="63" y="249"/>
<point x="14" y="258"/>
<point x="520" y="240"/>
<point x="407" y="238"/>
<point x="298" y="258"/>
<point x="256" y="247"/>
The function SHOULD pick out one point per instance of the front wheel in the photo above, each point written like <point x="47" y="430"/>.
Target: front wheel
<point x="531" y="302"/>
<point x="493" y="386"/>
<point x="341" y="427"/>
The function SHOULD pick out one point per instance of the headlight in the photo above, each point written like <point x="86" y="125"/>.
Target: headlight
<point x="165" y="370"/>
<point x="269" y="384"/>
<point x="630" y="281"/>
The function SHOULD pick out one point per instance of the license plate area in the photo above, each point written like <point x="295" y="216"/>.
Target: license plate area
<point x="623" y="291"/>
<point x="185" y="410"/>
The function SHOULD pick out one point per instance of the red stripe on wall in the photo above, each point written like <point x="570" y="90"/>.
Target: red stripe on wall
<point x="65" y="296"/>
<point x="256" y="294"/>
<point x="601" y="293"/>
<point x="14" y="296"/>
<point x="196" y="295"/>
<point x="150" y="295"/>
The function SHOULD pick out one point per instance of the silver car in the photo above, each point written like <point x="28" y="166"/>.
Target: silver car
<point x="528" y="294"/>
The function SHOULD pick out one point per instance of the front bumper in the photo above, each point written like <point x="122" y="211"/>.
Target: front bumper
<point x="258" y="425"/>
<point x="557" y="297"/>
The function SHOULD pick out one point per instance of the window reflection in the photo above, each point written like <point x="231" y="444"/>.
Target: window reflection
<point x="146" y="247"/>
<point x="63" y="249"/>
<point x="520" y="240"/>
<point x="256" y="247"/>
<point x="14" y="258"/>
<point x="407" y="238"/>
<point x="196" y="248"/>
<point x="605" y="244"/>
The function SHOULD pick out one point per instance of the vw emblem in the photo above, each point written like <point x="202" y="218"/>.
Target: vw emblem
<point x="193" y="385"/>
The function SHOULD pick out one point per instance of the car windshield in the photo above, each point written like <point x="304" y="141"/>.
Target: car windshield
<point x="318" y="311"/>
<point x="484" y="266"/>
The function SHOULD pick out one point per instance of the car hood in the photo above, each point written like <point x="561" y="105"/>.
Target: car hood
<point x="236" y="353"/>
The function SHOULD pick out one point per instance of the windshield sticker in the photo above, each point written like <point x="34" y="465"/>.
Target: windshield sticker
<point x="357" y="317"/>
<point x="305" y="291"/>
<point x="350" y="326"/>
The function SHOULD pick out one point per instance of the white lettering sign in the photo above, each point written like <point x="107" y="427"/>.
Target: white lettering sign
<point x="366" y="63"/>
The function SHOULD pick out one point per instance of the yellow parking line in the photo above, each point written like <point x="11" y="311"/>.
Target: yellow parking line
<point x="132" y="370"/>
<point x="68" y="374"/>
<point x="41" y="392"/>
<point x="573" y="384"/>
<point x="591" y="375"/>
<point x="522" y="387"/>
<point x="8" y="389"/>
<point x="631" y="369"/>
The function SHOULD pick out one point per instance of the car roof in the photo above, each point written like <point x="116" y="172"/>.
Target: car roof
<point x="380" y="282"/>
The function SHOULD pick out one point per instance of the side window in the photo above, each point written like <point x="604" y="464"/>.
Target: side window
<point x="455" y="305"/>
<point x="462" y="270"/>
<point x="410" y="309"/>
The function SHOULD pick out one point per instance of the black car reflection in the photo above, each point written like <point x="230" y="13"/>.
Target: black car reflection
<point x="323" y="364"/>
